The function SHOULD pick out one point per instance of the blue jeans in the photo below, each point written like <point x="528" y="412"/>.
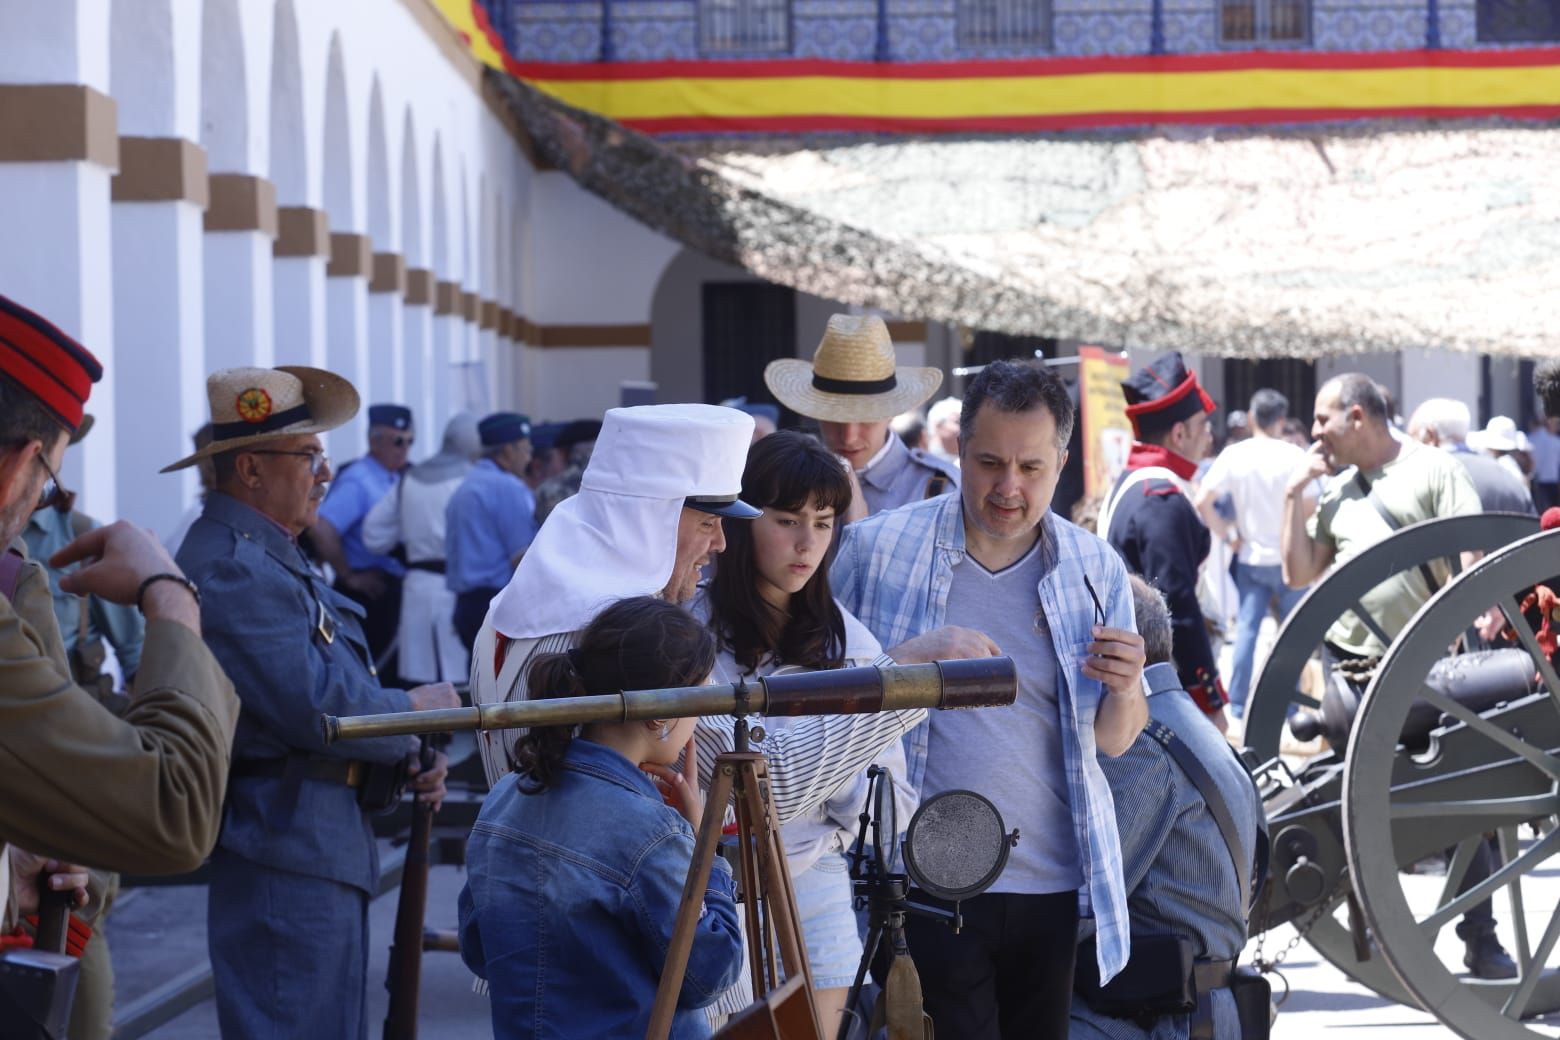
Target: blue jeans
<point x="1260" y="588"/>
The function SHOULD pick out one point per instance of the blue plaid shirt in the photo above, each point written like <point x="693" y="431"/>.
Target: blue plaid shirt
<point x="893" y="572"/>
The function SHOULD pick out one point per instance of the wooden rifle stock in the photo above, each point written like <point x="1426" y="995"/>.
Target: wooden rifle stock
<point x="404" y="978"/>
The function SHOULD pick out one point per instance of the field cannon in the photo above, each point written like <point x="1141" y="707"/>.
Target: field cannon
<point x="1451" y="742"/>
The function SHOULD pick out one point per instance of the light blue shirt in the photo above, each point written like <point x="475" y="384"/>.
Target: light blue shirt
<point x="48" y="531"/>
<point x="894" y="571"/>
<point x="352" y="495"/>
<point x="490" y="518"/>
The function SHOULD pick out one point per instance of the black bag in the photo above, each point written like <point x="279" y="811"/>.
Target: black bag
<point x="383" y="785"/>
<point x="1157" y="980"/>
<point x="1253" y="1003"/>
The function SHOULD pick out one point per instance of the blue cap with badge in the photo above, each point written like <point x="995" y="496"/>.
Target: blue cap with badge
<point x="395" y="416"/>
<point x="503" y="428"/>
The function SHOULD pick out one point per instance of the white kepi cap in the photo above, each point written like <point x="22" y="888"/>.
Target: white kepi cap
<point x="618" y="537"/>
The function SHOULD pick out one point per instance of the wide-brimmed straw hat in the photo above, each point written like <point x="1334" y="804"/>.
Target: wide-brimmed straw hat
<point x="852" y="376"/>
<point x="253" y="405"/>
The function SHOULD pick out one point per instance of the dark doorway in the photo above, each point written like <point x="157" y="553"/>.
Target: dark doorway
<point x="746" y="326"/>
<point x="1293" y="378"/>
<point x="986" y="347"/>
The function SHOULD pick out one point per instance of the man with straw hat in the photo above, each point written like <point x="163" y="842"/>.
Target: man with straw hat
<point x="296" y="863"/>
<point x="854" y="388"/>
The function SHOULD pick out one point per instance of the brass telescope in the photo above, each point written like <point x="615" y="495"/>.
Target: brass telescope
<point x="977" y="683"/>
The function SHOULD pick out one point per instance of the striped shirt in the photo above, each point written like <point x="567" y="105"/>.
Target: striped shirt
<point x="894" y="571"/>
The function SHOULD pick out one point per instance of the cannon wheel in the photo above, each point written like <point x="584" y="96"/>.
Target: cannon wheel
<point x="1382" y="803"/>
<point x="1278" y="687"/>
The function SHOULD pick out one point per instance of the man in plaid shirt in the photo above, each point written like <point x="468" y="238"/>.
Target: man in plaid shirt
<point x="1056" y="599"/>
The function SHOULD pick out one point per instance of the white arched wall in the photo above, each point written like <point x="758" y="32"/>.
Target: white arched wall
<point x="159" y="250"/>
<point x="417" y="313"/>
<point x="346" y="282"/>
<point x="445" y="237"/>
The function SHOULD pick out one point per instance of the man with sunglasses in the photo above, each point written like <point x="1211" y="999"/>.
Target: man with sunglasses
<point x="138" y="792"/>
<point x="372" y="579"/>
<point x="297" y="862"/>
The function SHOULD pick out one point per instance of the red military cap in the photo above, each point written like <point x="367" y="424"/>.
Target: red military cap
<point x="46" y="362"/>
<point x="1163" y="393"/>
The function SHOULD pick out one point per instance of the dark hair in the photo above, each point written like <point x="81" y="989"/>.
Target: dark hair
<point x="785" y="471"/>
<point x="1018" y="386"/>
<point x="24" y="418"/>
<point x="1546" y="381"/>
<point x="1268" y="407"/>
<point x="1153" y="621"/>
<point x="641" y="643"/>
<point x="1355" y="388"/>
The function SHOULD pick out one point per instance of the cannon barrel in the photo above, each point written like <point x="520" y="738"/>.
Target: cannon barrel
<point x="1479" y="680"/>
<point x="981" y="682"/>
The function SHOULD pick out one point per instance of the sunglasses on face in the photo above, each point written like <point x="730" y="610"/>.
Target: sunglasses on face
<point x="318" y="461"/>
<point x="402" y="440"/>
<point x="54" y="493"/>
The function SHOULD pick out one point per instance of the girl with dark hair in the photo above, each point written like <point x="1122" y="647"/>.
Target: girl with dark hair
<point x="576" y="864"/>
<point x="771" y="608"/>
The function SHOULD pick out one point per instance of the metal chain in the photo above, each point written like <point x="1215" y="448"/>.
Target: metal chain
<point x="1302" y="927"/>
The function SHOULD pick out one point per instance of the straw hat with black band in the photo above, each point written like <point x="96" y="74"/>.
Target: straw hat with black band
<point x="852" y="377"/>
<point x="251" y="406"/>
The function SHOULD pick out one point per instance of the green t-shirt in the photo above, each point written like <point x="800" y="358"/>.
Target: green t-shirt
<point x="1421" y="483"/>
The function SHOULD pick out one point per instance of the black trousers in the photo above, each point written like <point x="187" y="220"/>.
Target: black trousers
<point x="1007" y="975"/>
<point x="470" y="611"/>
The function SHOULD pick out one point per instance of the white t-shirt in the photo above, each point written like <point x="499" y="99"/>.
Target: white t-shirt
<point x="1254" y="473"/>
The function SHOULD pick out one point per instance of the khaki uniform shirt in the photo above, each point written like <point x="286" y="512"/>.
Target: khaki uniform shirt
<point x="140" y="794"/>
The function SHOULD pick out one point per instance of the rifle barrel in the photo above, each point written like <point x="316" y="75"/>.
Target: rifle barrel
<point x="980" y="682"/>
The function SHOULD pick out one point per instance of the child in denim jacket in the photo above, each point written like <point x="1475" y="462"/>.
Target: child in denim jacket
<point x="576" y="863"/>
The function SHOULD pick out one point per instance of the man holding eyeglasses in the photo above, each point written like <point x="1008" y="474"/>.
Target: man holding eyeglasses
<point x="139" y="792"/>
<point x="373" y="579"/>
<point x="296" y="863"/>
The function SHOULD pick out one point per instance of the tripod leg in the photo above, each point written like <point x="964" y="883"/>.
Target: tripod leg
<point x="759" y="954"/>
<point x="676" y="963"/>
<point x="869" y="951"/>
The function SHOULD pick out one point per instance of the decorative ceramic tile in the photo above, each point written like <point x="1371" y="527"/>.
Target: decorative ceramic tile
<point x="834" y="9"/>
<point x="1191" y="32"/>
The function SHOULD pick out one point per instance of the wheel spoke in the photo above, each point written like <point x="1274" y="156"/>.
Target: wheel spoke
<point x="1538" y="756"/>
<point x="1509" y="851"/>
<point x="1306" y="699"/>
<point x="1483" y="890"/>
<point x="1528" y="806"/>
<point x="1366" y="619"/>
<point x="1518" y="1001"/>
<point x="1529" y="641"/>
<point x="1462" y="859"/>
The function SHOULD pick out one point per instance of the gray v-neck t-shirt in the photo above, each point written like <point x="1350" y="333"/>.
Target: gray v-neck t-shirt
<point x="1012" y="755"/>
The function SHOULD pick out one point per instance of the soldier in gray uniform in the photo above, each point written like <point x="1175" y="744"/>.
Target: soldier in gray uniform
<point x="853" y="388"/>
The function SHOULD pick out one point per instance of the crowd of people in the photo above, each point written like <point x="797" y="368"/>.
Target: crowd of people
<point x="665" y="546"/>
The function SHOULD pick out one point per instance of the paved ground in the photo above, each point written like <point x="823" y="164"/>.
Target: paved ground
<point x="158" y="933"/>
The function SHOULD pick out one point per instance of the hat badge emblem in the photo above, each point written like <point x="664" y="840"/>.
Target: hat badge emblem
<point x="254" y="405"/>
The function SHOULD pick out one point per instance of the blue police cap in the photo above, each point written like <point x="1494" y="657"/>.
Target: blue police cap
<point x="503" y="428"/>
<point x="544" y="436"/>
<point x="395" y="416"/>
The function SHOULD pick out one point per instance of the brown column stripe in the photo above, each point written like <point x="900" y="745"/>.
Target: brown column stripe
<point x="161" y="169"/>
<point x="58" y="122"/>
<point x="240" y="202"/>
<point x="446" y="298"/>
<point x="907" y="331"/>
<point x="584" y="335"/>
<point x="389" y="274"/>
<point x="419" y="286"/>
<point x="302" y="232"/>
<point x="488" y="314"/>
<point x="469" y="304"/>
<point x="351" y="255"/>
<point x="508" y="323"/>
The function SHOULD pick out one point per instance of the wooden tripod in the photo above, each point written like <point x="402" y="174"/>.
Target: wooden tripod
<point x="769" y="902"/>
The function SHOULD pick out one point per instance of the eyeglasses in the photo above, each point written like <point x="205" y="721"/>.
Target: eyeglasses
<point x="54" y="493"/>
<point x="1099" y="611"/>
<point x="318" y="461"/>
<point x="402" y="440"/>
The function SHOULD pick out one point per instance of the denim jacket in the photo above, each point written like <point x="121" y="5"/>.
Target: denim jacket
<point x="570" y="901"/>
<point x="893" y="571"/>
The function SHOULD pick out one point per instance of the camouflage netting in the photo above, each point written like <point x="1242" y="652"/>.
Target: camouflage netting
<point x="1257" y="246"/>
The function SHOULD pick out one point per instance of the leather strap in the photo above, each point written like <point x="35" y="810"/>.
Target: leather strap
<point x="1218" y="808"/>
<point x="1394" y="524"/>
<point x="11" y="563"/>
<point x="332" y="770"/>
<point x="1212" y="975"/>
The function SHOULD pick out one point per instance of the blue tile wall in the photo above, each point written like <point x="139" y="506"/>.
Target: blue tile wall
<point x="927" y="30"/>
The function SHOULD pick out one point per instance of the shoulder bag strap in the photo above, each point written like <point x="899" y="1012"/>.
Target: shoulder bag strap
<point x="1198" y="774"/>
<point x="11" y="563"/>
<point x="1394" y="524"/>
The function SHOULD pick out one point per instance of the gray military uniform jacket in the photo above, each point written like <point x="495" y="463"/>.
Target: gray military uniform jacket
<point x="294" y="649"/>
<point x="903" y="476"/>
